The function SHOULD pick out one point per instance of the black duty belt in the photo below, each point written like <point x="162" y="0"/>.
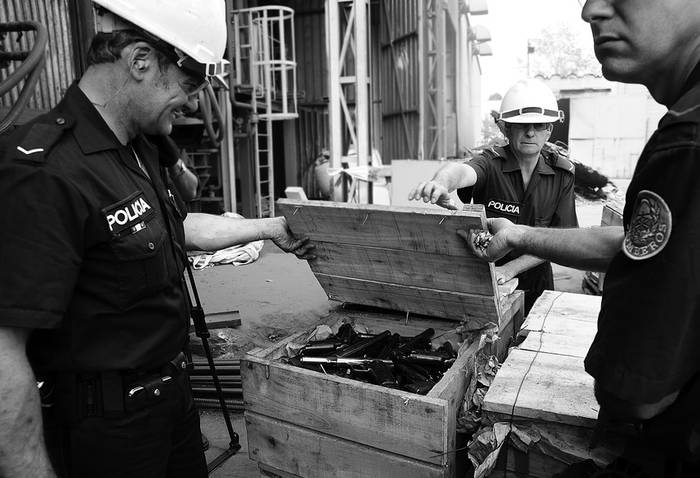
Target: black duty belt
<point x="75" y="396"/>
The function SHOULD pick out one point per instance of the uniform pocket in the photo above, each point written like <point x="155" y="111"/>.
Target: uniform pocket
<point x="142" y="255"/>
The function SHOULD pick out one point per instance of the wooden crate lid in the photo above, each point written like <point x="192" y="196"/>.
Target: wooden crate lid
<point x="408" y="259"/>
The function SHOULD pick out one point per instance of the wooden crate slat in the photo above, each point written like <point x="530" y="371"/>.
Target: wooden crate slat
<point x="553" y="388"/>
<point x="560" y="344"/>
<point x="401" y="228"/>
<point x="551" y="307"/>
<point x="476" y="310"/>
<point x="399" y="422"/>
<point x="466" y="274"/>
<point x="304" y="452"/>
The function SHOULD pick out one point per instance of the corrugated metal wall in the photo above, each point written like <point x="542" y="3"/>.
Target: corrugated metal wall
<point x="59" y="70"/>
<point x="399" y="76"/>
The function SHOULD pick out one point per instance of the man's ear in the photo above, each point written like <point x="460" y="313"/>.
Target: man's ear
<point x="502" y="127"/>
<point x="140" y="59"/>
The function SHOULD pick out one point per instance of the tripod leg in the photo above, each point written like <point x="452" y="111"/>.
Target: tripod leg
<point x="202" y="331"/>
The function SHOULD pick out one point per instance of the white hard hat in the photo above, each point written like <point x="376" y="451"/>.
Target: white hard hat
<point x="195" y="29"/>
<point x="530" y="101"/>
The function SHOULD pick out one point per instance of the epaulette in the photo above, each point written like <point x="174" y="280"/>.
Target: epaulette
<point x="558" y="157"/>
<point x="40" y="137"/>
<point x="493" y="152"/>
<point x="563" y="162"/>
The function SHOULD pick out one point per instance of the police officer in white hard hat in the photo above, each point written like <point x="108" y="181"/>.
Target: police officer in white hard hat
<point x="93" y="305"/>
<point x="518" y="181"/>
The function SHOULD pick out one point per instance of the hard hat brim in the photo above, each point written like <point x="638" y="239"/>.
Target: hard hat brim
<point x="530" y="118"/>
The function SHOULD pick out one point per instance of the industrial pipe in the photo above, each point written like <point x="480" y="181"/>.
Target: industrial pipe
<point x="32" y="65"/>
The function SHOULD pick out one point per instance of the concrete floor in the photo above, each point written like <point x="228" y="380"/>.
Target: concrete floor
<point x="276" y="296"/>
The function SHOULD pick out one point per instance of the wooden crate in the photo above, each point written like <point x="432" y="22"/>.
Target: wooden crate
<point x="415" y="272"/>
<point x="543" y="384"/>
<point x="308" y="424"/>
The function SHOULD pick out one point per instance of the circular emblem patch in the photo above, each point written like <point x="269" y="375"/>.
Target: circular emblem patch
<point x="650" y="227"/>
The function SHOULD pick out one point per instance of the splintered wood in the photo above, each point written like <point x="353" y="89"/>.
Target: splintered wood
<point x="401" y="258"/>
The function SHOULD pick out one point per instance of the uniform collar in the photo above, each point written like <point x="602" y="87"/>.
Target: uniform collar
<point x="510" y="163"/>
<point x="91" y="132"/>
<point x="687" y="100"/>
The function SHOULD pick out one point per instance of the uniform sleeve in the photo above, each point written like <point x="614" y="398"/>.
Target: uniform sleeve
<point x="480" y="165"/>
<point x="565" y="214"/>
<point x="41" y="237"/>
<point x="649" y="326"/>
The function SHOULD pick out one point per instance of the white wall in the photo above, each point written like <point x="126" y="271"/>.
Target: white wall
<point x="609" y="122"/>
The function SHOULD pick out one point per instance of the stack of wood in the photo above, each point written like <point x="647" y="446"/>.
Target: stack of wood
<point x="542" y="397"/>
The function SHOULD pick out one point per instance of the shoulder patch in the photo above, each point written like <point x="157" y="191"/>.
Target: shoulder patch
<point x="650" y="227"/>
<point x="39" y="140"/>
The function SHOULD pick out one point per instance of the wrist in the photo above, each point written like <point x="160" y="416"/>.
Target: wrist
<point x="515" y="237"/>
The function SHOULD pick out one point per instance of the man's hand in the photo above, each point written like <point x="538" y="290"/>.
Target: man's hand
<point x="283" y="238"/>
<point x="498" y="245"/>
<point x="504" y="273"/>
<point x="433" y="192"/>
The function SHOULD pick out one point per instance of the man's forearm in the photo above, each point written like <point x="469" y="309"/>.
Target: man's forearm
<point x="22" y="450"/>
<point x="207" y="232"/>
<point x="455" y="176"/>
<point x="583" y="248"/>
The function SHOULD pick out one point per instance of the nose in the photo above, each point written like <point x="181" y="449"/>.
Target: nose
<point x="596" y="10"/>
<point x="530" y="129"/>
<point x="192" y="104"/>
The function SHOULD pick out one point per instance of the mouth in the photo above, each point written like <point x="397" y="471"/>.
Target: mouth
<point x="602" y="40"/>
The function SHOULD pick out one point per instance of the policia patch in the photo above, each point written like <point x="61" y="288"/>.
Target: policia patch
<point x="650" y="227"/>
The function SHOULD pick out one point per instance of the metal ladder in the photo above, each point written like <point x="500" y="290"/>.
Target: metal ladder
<point x="264" y="172"/>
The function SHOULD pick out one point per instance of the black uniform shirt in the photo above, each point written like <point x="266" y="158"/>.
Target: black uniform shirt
<point x="548" y="200"/>
<point x="648" y="340"/>
<point x="85" y="243"/>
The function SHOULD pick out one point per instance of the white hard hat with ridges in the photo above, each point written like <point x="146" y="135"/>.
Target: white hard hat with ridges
<point x="530" y="101"/>
<point x="195" y="27"/>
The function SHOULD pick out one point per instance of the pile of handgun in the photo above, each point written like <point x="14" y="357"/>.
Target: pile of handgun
<point x="386" y="359"/>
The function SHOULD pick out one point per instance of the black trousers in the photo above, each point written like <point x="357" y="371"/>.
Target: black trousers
<point x="159" y="441"/>
<point x="535" y="281"/>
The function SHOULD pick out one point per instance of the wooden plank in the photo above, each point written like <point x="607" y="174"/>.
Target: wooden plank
<point x="576" y="345"/>
<point x="543" y="386"/>
<point x="399" y="422"/>
<point x="452" y="388"/>
<point x="534" y="464"/>
<point x="476" y="310"/>
<point x="276" y="350"/>
<point x="390" y="227"/>
<point x="554" y="306"/>
<point x="417" y="269"/>
<point x="303" y="452"/>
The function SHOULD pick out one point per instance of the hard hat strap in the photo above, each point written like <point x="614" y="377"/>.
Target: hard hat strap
<point x="531" y="109"/>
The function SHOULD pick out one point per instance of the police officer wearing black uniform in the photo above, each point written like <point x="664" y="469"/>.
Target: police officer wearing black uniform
<point x="521" y="181"/>
<point x="93" y="307"/>
<point x="645" y="357"/>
